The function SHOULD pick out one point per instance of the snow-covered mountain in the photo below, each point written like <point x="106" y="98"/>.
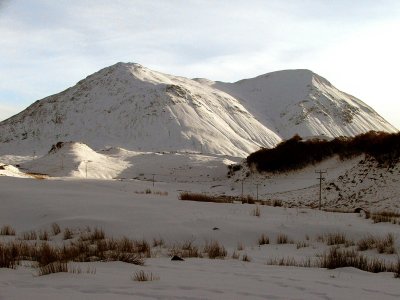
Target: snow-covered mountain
<point x="301" y="102"/>
<point x="129" y="106"/>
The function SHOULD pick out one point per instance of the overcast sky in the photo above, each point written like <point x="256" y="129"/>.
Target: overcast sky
<point x="47" y="46"/>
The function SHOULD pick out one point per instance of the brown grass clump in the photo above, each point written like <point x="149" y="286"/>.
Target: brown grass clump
<point x="302" y="244"/>
<point x="55" y="267"/>
<point x="336" y="238"/>
<point x="9" y="256"/>
<point x="204" y="198"/>
<point x="85" y="249"/>
<point x="383" y="245"/>
<point x="263" y="239"/>
<point x="55" y="228"/>
<point x="28" y="235"/>
<point x="143" y="276"/>
<point x="384" y="217"/>
<point x="186" y="249"/>
<point x="246" y="258"/>
<point x="43" y="235"/>
<point x="397" y="268"/>
<point x="67" y="235"/>
<point x="7" y="230"/>
<point x="214" y="250"/>
<point x="289" y="262"/>
<point x="276" y="203"/>
<point x="96" y="235"/>
<point x="338" y="258"/>
<point x="283" y="239"/>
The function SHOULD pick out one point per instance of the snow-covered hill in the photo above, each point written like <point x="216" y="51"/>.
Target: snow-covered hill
<point x="301" y="102"/>
<point x="77" y="160"/>
<point x="129" y="106"/>
<point x="360" y="182"/>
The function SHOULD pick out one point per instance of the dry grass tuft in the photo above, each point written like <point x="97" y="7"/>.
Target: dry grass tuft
<point x="204" y="198"/>
<point x="214" y="250"/>
<point x="246" y="258"/>
<point x="43" y="235"/>
<point x="384" y="217"/>
<point x="302" y="244"/>
<point x="55" y="267"/>
<point x="289" y="262"/>
<point x="397" y="268"/>
<point x="143" y="276"/>
<point x="383" y="245"/>
<point x="88" y="248"/>
<point x="67" y="234"/>
<point x="7" y="230"/>
<point x="336" y="238"/>
<point x="283" y="239"/>
<point x="55" y="228"/>
<point x="9" y="256"/>
<point x="28" y="236"/>
<point x="186" y="249"/>
<point x="263" y="239"/>
<point x="340" y="258"/>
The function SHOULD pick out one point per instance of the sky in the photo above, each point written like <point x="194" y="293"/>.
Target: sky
<point x="47" y="46"/>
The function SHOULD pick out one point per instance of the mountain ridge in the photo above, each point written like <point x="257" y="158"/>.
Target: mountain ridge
<point x="130" y="106"/>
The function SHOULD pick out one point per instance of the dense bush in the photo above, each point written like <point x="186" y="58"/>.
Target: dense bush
<point x="296" y="153"/>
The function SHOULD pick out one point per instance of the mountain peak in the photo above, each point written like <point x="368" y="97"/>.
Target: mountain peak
<point x="130" y="106"/>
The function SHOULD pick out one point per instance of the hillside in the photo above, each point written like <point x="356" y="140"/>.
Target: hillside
<point x="296" y="153"/>
<point x="132" y="107"/>
<point x="301" y="102"/>
<point x="129" y="106"/>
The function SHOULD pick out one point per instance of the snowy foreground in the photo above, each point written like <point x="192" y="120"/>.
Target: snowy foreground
<point x="122" y="208"/>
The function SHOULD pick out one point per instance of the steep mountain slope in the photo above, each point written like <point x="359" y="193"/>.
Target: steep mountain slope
<point x="301" y="102"/>
<point x="129" y="106"/>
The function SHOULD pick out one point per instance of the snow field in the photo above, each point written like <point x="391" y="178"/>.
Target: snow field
<point x="121" y="208"/>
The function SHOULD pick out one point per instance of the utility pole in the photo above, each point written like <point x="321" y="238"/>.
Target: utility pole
<point x="242" y="188"/>
<point x="153" y="179"/>
<point x="87" y="161"/>
<point x="257" y="190"/>
<point x="320" y="172"/>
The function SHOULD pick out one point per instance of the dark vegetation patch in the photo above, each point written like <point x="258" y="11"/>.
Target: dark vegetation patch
<point x="189" y="196"/>
<point x="295" y="153"/>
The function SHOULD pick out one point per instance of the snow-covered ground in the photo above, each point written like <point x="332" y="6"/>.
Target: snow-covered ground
<point x="122" y="208"/>
<point x="136" y="194"/>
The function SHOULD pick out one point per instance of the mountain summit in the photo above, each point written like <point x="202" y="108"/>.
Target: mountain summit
<point x="127" y="105"/>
